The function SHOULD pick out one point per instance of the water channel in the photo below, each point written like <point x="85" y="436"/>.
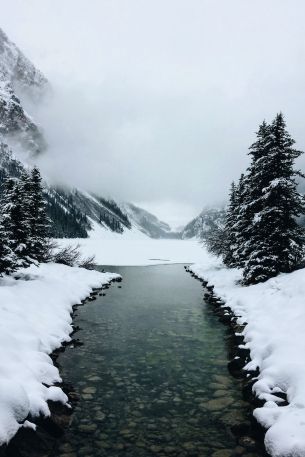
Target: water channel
<point x="152" y="373"/>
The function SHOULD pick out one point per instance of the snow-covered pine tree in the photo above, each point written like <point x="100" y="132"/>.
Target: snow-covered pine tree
<point x="16" y="208"/>
<point x="8" y="259"/>
<point x="39" y="221"/>
<point x="240" y="222"/>
<point x="216" y="241"/>
<point x="229" y="229"/>
<point x="248" y="198"/>
<point x="275" y="240"/>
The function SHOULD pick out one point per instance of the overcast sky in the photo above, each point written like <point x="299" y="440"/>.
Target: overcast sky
<point x="157" y="101"/>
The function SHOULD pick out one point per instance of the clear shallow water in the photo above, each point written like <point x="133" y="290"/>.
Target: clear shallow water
<point x="152" y="373"/>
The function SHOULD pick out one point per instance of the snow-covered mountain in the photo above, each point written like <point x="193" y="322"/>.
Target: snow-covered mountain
<point x="201" y="225"/>
<point x="148" y="223"/>
<point x="18" y="75"/>
<point x="73" y="212"/>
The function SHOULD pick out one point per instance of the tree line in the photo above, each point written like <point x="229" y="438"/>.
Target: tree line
<point x="24" y="223"/>
<point x="261" y="234"/>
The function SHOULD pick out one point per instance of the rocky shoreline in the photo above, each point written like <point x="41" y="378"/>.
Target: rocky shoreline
<point x="42" y="441"/>
<point x="249" y="436"/>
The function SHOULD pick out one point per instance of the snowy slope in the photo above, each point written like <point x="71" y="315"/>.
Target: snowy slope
<point x="275" y="316"/>
<point x="148" y="223"/>
<point x="200" y="226"/>
<point x="19" y="75"/>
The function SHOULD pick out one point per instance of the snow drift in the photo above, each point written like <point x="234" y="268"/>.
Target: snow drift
<point x="36" y="319"/>
<point x="275" y="315"/>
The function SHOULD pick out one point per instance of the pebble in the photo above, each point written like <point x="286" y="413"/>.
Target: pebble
<point x="89" y="390"/>
<point x="155" y="448"/>
<point x="94" y="378"/>
<point x="87" y="396"/>
<point x="222" y="453"/>
<point x="217" y="404"/>
<point x="247" y="442"/>
<point x="87" y="427"/>
<point x="220" y="393"/>
<point x="189" y="446"/>
<point x="103" y="444"/>
<point x="100" y="416"/>
<point x="239" y="450"/>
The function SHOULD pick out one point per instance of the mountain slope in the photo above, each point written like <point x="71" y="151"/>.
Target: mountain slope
<point x="201" y="225"/>
<point x="17" y="75"/>
<point x="148" y="223"/>
<point x="73" y="212"/>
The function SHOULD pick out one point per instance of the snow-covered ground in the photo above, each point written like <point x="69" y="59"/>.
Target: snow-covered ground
<point x="134" y="248"/>
<point x="275" y="335"/>
<point x="35" y="320"/>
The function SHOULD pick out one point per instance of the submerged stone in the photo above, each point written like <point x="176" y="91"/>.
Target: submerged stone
<point x="218" y="403"/>
<point x="222" y="453"/>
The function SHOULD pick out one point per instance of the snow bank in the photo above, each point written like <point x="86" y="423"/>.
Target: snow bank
<point x="35" y="319"/>
<point x="275" y="335"/>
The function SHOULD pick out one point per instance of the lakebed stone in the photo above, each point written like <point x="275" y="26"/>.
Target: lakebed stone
<point x="217" y="404"/>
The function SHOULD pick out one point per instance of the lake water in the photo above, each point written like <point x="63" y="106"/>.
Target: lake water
<point x="152" y="374"/>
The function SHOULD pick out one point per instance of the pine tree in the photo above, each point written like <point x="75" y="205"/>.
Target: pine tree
<point x="241" y="223"/>
<point x="8" y="260"/>
<point x="275" y="241"/>
<point x="229" y="246"/>
<point x="7" y="257"/>
<point x="20" y="218"/>
<point x="38" y="220"/>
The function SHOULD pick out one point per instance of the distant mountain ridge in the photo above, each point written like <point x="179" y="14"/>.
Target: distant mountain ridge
<point x="148" y="223"/>
<point x="207" y="220"/>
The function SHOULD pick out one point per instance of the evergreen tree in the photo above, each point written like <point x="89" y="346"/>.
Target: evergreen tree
<point x="275" y="241"/>
<point x="18" y="211"/>
<point x="8" y="259"/>
<point x="229" y="246"/>
<point x="38" y="220"/>
<point x="216" y="241"/>
<point x="240" y="223"/>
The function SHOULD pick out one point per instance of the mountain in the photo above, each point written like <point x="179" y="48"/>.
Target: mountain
<point x="73" y="212"/>
<point x="204" y="223"/>
<point x="148" y="223"/>
<point x="18" y="75"/>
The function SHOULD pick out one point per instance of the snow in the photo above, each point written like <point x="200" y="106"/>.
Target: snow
<point x="134" y="248"/>
<point x="35" y="320"/>
<point x="275" y="315"/>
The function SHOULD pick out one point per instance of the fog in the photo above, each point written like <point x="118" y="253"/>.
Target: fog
<point x="157" y="102"/>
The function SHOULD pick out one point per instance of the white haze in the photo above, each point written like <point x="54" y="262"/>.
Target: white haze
<point x="156" y="102"/>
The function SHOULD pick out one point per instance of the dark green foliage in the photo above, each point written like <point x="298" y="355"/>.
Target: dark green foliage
<point x="39" y="222"/>
<point x="216" y="241"/>
<point x="229" y="240"/>
<point x="65" y="224"/>
<point x="71" y="223"/>
<point x="18" y="220"/>
<point x="242" y="222"/>
<point x="8" y="259"/>
<point x="276" y="239"/>
<point x="115" y="209"/>
<point x="23" y="222"/>
<point x="262" y="232"/>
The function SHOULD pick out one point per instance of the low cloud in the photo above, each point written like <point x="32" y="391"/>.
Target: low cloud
<point x="157" y="102"/>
